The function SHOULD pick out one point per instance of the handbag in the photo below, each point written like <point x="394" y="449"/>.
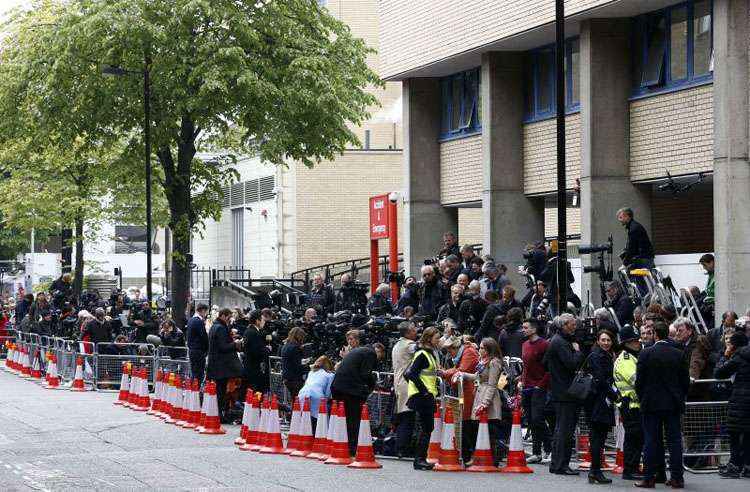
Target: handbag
<point x="580" y="388"/>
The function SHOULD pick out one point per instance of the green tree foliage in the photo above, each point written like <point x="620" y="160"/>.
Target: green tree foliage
<point x="283" y="75"/>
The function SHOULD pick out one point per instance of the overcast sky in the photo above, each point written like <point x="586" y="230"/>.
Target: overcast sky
<point x="6" y="5"/>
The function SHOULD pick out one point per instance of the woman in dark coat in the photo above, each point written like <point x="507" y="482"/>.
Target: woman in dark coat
<point x="223" y="363"/>
<point x="292" y="370"/>
<point x="255" y="354"/>
<point x="736" y="362"/>
<point x="599" y="406"/>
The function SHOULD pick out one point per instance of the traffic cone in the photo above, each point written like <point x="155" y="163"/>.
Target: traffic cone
<point x="253" y="422"/>
<point x="292" y="437"/>
<point x="8" y="357"/>
<point x="122" y="398"/>
<point x="135" y="384"/>
<point x="320" y="442"/>
<point x="170" y="392"/>
<point x="433" y="451"/>
<point x="25" y="365"/>
<point x="142" y="401"/>
<point x="78" y="385"/>
<point x="184" y="414"/>
<point x="333" y="418"/>
<point x="516" y="455"/>
<point x="194" y="410"/>
<point x="620" y="441"/>
<point x="273" y="436"/>
<point x="448" y="460"/>
<point x="483" y="462"/>
<point x="213" y="423"/>
<point x="262" y="434"/>
<point x="585" y="464"/>
<point x="247" y="409"/>
<point x="53" y="382"/>
<point x="340" y="443"/>
<point x="204" y="406"/>
<point x="36" y="370"/>
<point x="365" y="457"/>
<point x="154" y="410"/>
<point x="176" y="401"/>
<point x="304" y="437"/>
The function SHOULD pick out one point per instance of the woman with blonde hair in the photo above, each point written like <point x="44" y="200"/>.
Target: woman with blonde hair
<point x="317" y="386"/>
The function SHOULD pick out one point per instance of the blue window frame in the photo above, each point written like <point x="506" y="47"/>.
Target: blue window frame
<point x="462" y="104"/>
<point x="673" y="47"/>
<point x="539" y="81"/>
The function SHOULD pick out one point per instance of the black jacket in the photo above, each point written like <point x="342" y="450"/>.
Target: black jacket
<point x="195" y="332"/>
<point x="322" y="296"/>
<point x="738" y="418"/>
<point x="350" y="298"/>
<point x="255" y="359"/>
<point x="450" y="311"/>
<point x="623" y="308"/>
<point x="562" y="362"/>
<point x="662" y="379"/>
<point x="511" y="340"/>
<point x="291" y="363"/>
<point x="410" y="297"/>
<point x="600" y="406"/>
<point x="379" y="305"/>
<point x="354" y="375"/>
<point x="98" y="331"/>
<point x="471" y="313"/>
<point x="638" y="246"/>
<point x="148" y="328"/>
<point x="431" y="297"/>
<point x="175" y="339"/>
<point x="223" y="362"/>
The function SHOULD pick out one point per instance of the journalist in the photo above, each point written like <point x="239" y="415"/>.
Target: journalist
<point x="292" y="370"/>
<point x="431" y="292"/>
<point x="223" y="363"/>
<point x="255" y="354"/>
<point x="349" y="297"/>
<point x="639" y="252"/>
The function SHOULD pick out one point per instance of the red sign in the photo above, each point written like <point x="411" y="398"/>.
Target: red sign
<point x="379" y="217"/>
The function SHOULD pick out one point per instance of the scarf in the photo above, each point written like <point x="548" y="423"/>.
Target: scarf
<point x="457" y="358"/>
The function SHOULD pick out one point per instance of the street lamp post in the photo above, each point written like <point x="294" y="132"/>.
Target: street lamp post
<point x="562" y="232"/>
<point x="119" y="71"/>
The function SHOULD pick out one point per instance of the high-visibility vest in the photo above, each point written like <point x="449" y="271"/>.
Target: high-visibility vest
<point x="428" y="376"/>
<point x="624" y="374"/>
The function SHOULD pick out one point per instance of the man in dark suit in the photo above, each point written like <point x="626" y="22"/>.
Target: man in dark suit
<point x="662" y="382"/>
<point x="197" y="342"/>
<point x="639" y="252"/>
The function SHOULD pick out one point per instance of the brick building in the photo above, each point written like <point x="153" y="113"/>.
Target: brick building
<point x="653" y="89"/>
<point x="277" y="221"/>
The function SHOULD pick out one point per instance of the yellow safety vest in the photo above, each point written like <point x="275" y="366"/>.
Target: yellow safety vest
<point x="624" y="373"/>
<point x="428" y="376"/>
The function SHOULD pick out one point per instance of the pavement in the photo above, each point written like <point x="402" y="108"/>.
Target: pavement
<point x="59" y="440"/>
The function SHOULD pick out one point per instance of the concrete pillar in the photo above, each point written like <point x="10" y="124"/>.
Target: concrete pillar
<point x="605" y="133"/>
<point x="511" y="220"/>
<point x="425" y="219"/>
<point x="731" y="169"/>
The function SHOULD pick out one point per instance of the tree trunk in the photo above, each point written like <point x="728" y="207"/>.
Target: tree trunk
<point x="180" y="280"/>
<point x="78" y="279"/>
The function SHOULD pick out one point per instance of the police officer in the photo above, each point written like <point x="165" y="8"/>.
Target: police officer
<point x="624" y="372"/>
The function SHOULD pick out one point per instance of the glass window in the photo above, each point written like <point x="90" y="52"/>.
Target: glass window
<point x="574" y="76"/>
<point x="656" y="42"/>
<point x="702" y="37"/>
<point x="528" y="85"/>
<point x="678" y="44"/>
<point x="479" y="98"/>
<point x="545" y="81"/>
<point x="461" y="102"/>
<point x="469" y="99"/>
<point x="456" y="90"/>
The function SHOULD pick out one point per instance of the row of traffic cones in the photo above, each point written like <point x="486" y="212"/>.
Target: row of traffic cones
<point x="176" y="400"/>
<point x="22" y="362"/>
<point x="260" y="432"/>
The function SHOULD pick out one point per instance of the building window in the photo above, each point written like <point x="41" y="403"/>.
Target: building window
<point x="672" y="47"/>
<point x="539" y="81"/>
<point x="130" y="239"/>
<point x="238" y="237"/>
<point x="462" y="102"/>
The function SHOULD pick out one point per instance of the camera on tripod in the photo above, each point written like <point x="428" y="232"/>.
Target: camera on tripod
<point x="603" y="268"/>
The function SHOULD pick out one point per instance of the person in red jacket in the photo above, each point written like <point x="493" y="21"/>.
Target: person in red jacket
<point x="465" y="359"/>
<point x="533" y="385"/>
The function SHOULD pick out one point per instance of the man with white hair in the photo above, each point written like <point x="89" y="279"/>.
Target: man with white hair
<point x="432" y="293"/>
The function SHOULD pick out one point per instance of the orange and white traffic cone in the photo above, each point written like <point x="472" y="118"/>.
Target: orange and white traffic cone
<point x="48" y="362"/>
<point x="8" y="357"/>
<point x="584" y="444"/>
<point x="122" y="398"/>
<point x="620" y="441"/>
<point x="213" y="423"/>
<point x="292" y="437"/>
<point x="170" y="403"/>
<point x="135" y="387"/>
<point x="274" y="444"/>
<point x="253" y="422"/>
<point x="320" y="441"/>
<point x="204" y="407"/>
<point x="193" y="411"/>
<point x="516" y="455"/>
<point x="183" y="416"/>
<point x="433" y="451"/>
<point x="305" y="436"/>
<point x="154" y="410"/>
<point x="483" y="461"/>
<point x="448" y="460"/>
<point x="53" y="381"/>
<point x="340" y="443"/>
<point x="246" y="410"/>
<point x="365" y="457"/>
<point x="333" y="418"/>
<point x="176" y="412"/>
<point x="262" y="436"/>
<point x="142" y="399"/>
<point x="25" y="363"/>
<point x="78" y="385"/>
<point x="36" y="369"/>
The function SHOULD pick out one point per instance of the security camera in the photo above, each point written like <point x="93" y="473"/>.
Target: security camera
<point x="393" y="197"/>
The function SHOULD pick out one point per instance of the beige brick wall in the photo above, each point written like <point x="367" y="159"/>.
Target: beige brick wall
<point x="672" y="132"/>
<point x="470" y="226"/>
<point x="415" y="33"/>
<point x="332" y="203"/>
<point x="461" y="170"/>
<point x="540" y="154"/>
<point x="550" y="220"/>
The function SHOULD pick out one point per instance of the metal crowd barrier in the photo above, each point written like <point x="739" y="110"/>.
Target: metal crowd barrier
<point x="381" y="402"/>
<point x="173" y="359"/>
<point x="276" y="382"/>
<point x="704" y="432"/>
<point x="110" y="357"/>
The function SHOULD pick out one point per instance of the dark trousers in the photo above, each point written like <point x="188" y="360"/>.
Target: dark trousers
<point x="739" y="449"/>
<point x="404" y="431"/>
<point x="632" y="445"/>
<point x="566" y="418"/>
<point x="534" y="402"/>
<point x="597" y="436"/>
<point x="197" y="364"/>
<point x="221" y="397"/>
<point x="424" y="407"/>
<point x="470" y="431"/>
<point x="657" y="426"/>
<point x="352" y="407"/>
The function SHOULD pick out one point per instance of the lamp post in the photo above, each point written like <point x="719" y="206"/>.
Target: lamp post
<point x="120" y="72"/>
<point x="562" y="232"/>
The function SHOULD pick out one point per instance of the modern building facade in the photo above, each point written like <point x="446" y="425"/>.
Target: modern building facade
<point x="657" y="120"/>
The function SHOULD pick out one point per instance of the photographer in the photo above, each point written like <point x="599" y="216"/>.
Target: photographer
<point x="639" y="252"/>
<point x="144" y="324"/>
<point x="538" y="305"/>
<point x="350" y="297"/>
<point x="379" y="303"/>
<point x="603" y="321"/>
<point x="67" y="324"/>
<point x="171" y="336"/>
<point x="467" y="256"/>
<point x="223" y="363"/>
<point x="255" y="360"/>
<point x="549" y="277"/>
<point x="432" y="293"/>
<point x="61" y="290"/>
<point x="472" y="308"/>
<point x="410" y="296"/>
<point x="98" y="329"/>
<point x="619" y="301"/>
<point x="451" y="309"/>
<point x="450" y="246"/>
<point x="536" y="259"/>
<point x="321" y="294"/>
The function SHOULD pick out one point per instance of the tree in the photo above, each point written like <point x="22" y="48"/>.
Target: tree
<point x="285" y="73"/>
